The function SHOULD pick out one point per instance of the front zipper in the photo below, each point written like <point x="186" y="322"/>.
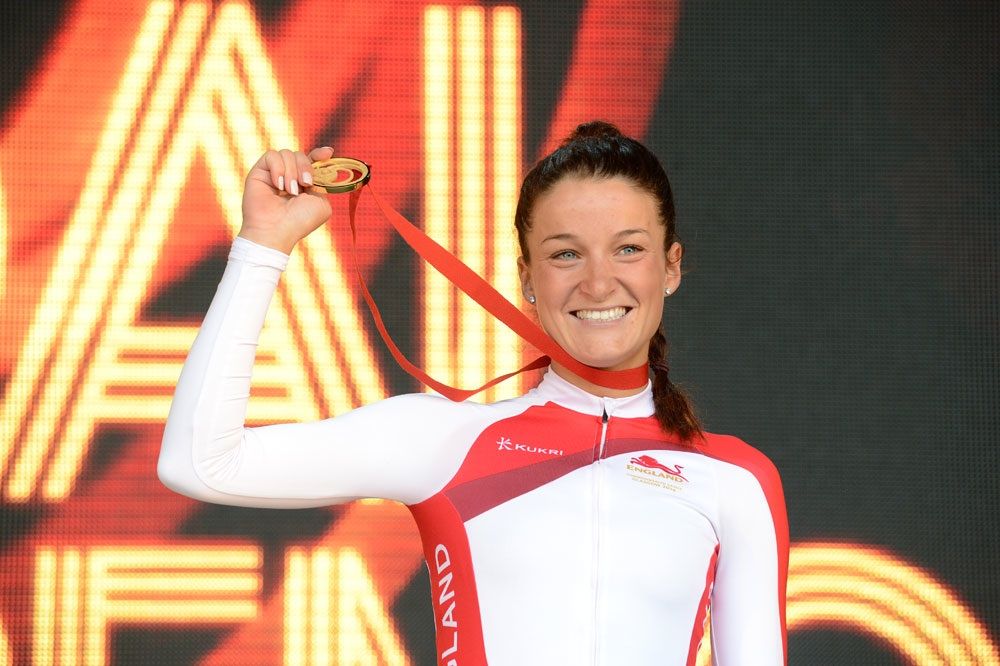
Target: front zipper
<point x="604" y="433"/>
<point x="597" y="526"/>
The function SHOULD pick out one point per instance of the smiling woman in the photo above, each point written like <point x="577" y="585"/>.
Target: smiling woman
<point x="571" y="525"/>
<point x="600" y="270"/>
<point x="599" y="252"/>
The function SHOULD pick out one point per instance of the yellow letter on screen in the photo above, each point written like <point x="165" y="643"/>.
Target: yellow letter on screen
<point x="81" y="592"/>
<point x="86" y="358"/>
<point x="333" y="614"/>
<point x="472" y="158"/>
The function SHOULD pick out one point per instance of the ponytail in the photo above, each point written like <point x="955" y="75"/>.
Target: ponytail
<point x="673" y="408"/>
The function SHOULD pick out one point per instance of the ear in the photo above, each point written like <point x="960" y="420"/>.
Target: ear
<point x="524" y="273"/>
<point x="672" y="279"/>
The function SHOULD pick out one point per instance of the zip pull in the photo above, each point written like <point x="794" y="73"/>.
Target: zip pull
<point x="604" y="433"/>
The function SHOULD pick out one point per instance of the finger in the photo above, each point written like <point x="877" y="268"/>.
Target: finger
<point x="291" y="171"/>
<point x="315" y="155"/>
<point x="304" y="166"/>
<point x="274" y="168"/>
<point x="322" y="153"/>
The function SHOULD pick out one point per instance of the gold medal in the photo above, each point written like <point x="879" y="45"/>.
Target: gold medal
<point x="340" y="174"/>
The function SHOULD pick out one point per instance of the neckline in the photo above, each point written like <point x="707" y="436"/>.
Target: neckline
<point x="556" y="389"/>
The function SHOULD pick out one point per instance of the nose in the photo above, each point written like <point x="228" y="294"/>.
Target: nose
<point x="598" y="280"/>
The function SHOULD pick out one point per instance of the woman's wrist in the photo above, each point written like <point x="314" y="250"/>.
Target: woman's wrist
<point x="273" y="241"/>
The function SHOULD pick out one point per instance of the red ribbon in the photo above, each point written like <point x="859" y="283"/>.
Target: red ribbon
<point x="483" y="293"/>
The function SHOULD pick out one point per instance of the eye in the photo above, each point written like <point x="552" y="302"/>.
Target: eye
<point x="631" y="250"/>
<point x="565" y="255"/>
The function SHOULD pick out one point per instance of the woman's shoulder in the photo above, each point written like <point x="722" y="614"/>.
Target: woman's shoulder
<point x="735" y="451"/>
<point x="436" y="406"/>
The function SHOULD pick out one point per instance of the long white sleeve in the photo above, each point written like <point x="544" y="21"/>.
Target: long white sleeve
<point x="207" y="453"/>
<point x="748" y="598"/>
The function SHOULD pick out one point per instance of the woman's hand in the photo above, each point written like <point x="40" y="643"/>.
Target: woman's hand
<point x="280" y="204"/>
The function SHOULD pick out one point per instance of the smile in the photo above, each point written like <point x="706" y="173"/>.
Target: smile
<point x="602" y="315"/>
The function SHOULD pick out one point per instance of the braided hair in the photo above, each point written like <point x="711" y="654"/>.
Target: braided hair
<point x="599" y="149"/>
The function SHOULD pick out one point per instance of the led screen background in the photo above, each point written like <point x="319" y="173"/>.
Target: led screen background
<point x="835" y="169"/>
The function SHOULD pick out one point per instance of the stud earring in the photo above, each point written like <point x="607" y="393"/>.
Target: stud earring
<point x="666" y="292"/>
<point x="531" y="299"/>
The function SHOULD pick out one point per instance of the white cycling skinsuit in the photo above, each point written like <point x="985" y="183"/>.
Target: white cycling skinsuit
<point x="559" y="527"/>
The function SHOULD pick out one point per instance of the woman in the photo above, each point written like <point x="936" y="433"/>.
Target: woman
<point x="571" y="525"/>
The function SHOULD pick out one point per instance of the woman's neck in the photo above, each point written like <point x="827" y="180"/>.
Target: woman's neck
<point x="590" y="387"/>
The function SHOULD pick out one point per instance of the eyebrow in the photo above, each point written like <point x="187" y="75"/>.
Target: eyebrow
<point x="569" y="237"/>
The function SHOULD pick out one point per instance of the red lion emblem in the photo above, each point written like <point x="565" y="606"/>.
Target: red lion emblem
<point x="653" y="463"/>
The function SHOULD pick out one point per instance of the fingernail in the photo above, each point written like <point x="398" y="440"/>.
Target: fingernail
<point x="293" y="187"/>
<point x="307" y="178"/>
<point x="281" y="183"/>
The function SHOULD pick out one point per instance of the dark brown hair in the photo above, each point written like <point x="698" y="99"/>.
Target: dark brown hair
<point x="599" y="150"/>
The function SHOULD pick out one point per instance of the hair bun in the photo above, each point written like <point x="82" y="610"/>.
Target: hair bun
<point x="595" y="129"/>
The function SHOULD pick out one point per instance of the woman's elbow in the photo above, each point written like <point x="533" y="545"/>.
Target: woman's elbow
<point x="174" y="471"/>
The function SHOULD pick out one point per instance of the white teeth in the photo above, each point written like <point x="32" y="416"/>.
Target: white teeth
<point x="602" y="315"/>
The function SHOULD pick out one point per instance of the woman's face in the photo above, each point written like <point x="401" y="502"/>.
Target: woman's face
<point x="598" y="269"/>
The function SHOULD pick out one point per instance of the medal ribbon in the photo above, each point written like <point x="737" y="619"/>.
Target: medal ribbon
<point x="489" y="298"/>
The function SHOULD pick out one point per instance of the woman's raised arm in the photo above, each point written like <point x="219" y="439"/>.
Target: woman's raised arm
<point x="207" y="453"/>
